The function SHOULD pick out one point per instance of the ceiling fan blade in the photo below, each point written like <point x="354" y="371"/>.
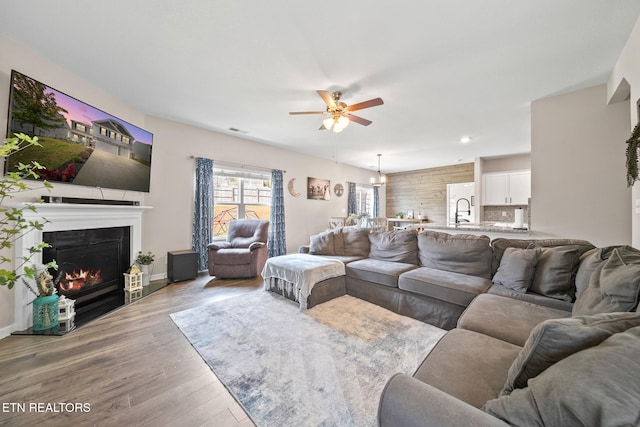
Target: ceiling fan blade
<point x="327" y="98"/>
<point x="293" y="113"/>
<point x="366" y="104"/>
<point x="359" y="120"/>
<point x="322" y="127"/>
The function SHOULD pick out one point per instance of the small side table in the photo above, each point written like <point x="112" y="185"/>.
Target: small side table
<point x="182" y="265"/>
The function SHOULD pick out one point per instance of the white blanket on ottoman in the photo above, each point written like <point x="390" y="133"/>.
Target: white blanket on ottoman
<point x="303" y="270"/>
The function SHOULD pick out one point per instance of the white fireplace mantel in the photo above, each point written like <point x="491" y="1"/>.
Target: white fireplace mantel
<point x="67" y="216"/>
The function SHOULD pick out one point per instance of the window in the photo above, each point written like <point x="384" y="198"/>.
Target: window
<point x="364" y="200"/>
<point x="239" y="195"/>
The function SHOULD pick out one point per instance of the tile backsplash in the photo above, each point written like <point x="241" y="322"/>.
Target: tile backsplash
<point x="494" y="213"/>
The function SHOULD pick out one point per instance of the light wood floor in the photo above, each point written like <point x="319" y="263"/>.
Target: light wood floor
<point x="133" y="366"/>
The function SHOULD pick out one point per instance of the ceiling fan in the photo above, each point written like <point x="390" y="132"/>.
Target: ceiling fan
<point x="339" y="112"/>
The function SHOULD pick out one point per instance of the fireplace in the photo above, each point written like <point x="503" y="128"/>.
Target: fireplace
<point x="70" y="217"/>
<point x="90" y="266"/>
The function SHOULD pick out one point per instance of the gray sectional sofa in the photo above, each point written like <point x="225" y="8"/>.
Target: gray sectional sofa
<point x="429" y="276"/>
<point x="541" y="332"/>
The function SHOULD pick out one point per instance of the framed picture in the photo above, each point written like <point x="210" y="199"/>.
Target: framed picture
<point x="410" y="214"/>
<point x="318" y="189"/>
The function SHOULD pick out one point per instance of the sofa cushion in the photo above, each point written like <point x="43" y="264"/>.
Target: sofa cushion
<point x="382" y="272"/>
<point x="459" y="253"/>
<point x="455" y="288"/>
<point x="322" y="244"/>
<point x="555" y="339"/>
<point x="398" y="245"/>
<point x="555" y="272"/>
<point x="233" y="256"/>
<point x="506" y="318"/>
<point x="474" y="380"/>
<point x="517" y="267"/>
<point x="614" y="285"/>
<point x="593" y="387"/>
<point x="352" y="241"/>
<point x="531" y="297"/>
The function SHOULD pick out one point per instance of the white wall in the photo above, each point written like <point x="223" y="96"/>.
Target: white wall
<point x="506" y="163"/>
<point x="167" y="226"/>
<point x="624" y="83"/>
<point x="578" y="187"/>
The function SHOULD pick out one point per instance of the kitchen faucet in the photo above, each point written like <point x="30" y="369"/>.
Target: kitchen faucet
<point x="468" y="211"/>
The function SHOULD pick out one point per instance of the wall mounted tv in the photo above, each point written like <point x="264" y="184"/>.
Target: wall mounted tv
<point x="81" y="144"/>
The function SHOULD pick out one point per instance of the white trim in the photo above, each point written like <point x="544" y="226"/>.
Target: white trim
<point x="67" y="216"/>
<point x="6" y="331"/>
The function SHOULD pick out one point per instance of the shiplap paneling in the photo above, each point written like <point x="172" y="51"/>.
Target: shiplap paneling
<point x="425" y="190"/>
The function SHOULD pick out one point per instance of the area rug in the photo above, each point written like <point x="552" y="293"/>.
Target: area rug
<point x="325" y="366"/>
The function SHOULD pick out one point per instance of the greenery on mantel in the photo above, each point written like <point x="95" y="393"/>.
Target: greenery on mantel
<point x="13" y="224"/>
<point x="632" y="156"/>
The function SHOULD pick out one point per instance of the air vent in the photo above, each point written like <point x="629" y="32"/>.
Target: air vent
<point x="232" y="129"/>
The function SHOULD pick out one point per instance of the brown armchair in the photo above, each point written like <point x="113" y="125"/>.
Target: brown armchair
<point x="244" y="253"/>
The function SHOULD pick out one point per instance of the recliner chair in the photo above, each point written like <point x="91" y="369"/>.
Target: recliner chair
<point x="244" y="253"/>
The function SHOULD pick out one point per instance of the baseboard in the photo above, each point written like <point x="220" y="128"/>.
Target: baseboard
<point x="6" y="331"/>
<point x="160" y="276"/>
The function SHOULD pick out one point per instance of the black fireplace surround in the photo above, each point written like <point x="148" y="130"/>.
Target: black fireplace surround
<point x="90" y="271"/>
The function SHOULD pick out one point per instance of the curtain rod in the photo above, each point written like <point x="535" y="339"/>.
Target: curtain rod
<point x="239" y="165"/>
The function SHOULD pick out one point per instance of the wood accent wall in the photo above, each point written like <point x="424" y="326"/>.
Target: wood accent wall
<point x="425" y="190"/>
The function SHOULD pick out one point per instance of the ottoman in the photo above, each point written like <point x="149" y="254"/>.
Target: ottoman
<point x="306" y="279"/>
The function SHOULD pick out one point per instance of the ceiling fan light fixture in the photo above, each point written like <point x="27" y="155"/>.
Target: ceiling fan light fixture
<point x="343" y="121"/>
<point x="337" y="128"/>
<point x="328" y="122"/>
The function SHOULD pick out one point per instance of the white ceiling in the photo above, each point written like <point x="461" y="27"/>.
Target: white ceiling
<point x="444" y="68"/>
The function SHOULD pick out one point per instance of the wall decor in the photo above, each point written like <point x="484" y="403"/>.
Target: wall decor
<point x="292" y="190"/>
<point x="338" y="190"/>
<point x="318" y="189"/>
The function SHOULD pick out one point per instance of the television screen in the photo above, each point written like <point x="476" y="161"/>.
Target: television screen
<point x="80" y="144"/>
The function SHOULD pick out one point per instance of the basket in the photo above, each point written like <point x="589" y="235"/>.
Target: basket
<point x="45" y="312"/>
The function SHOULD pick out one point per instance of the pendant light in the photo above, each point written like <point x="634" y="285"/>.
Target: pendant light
<point x="381" y="179"/>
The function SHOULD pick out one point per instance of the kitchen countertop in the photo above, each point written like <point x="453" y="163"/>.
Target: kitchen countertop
<point x="485" y="226"/>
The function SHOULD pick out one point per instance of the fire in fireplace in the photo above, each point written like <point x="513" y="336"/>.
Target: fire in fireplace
<point x="90" y="267"/>
<point x="77" y="279"/>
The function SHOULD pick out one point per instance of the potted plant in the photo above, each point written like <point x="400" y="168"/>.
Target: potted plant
<point x="13" y="224"/>
<point x="145" y="262"/>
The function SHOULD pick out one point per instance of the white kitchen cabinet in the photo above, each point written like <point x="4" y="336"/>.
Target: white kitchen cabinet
<point x="506" y="188"/>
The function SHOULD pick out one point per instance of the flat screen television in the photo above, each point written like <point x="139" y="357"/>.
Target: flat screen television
<point x="81" y="144"/>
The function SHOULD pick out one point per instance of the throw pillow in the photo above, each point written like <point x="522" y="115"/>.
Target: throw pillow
<point x="555" y="272"/>
<point x="553" y="340"/>
<point x="396" y="246"/>
<point x="588" y="263"/>
<point x="613" y="286"/>
<point x="322" y="244"/>
<point x="517" y="267"/>
<point x="593" y="387"/>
